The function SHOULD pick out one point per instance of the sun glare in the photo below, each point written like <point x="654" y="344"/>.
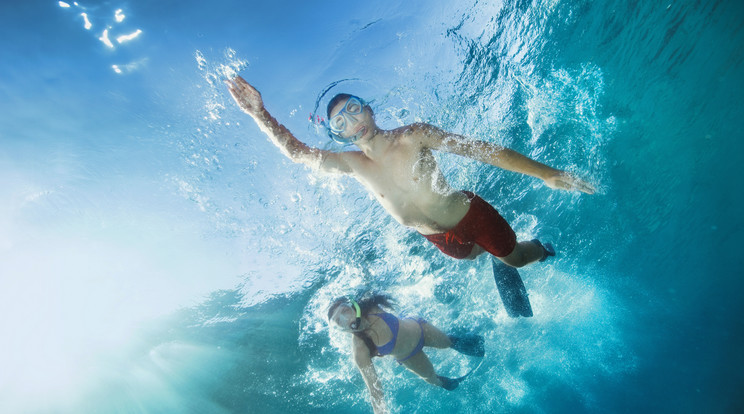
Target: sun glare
<point x="126" y="38"/>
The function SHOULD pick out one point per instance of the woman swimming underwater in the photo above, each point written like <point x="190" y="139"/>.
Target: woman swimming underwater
<point x="379" y="333"/>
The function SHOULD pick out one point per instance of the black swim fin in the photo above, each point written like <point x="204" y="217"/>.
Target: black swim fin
<point x="468" y="344"/>
<point x="449" y="384"/>
<point x="512" y="290"/>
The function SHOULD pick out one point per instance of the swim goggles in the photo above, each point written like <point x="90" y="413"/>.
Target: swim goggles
<point x="337" y="124"/>
<point x="358" y="321"/>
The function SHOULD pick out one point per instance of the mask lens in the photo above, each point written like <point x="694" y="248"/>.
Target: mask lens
<point x="353" y="106"/>
<point x="338" y="123"/>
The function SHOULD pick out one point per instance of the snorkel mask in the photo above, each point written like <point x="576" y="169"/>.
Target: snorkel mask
<point x="334" y="129"/>
<point x="338" y="123"/>
<point x="358" y="321"/>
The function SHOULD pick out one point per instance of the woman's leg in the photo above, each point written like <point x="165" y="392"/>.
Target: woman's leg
<point x="433" y="337"/>
<point x="421" y="365"/>
<point x="468" y="344"/>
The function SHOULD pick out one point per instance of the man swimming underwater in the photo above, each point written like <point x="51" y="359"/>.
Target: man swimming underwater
<point x="399" y="169"/>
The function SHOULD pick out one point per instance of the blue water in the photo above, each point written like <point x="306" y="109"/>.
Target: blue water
<point x="159" y="255"/>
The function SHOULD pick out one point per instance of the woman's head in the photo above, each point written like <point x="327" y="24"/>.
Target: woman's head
<point x="347" y="313"/>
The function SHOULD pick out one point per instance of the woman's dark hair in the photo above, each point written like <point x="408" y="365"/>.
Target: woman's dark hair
<point x="372" y="300"/>
<point x="336" y="99"/>
<point x="366" y="303"/>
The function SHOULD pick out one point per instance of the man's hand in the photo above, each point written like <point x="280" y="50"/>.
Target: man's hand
<point x="245" y="95"/>
<point x="566" y="181"/>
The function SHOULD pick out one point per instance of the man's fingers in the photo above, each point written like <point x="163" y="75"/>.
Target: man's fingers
<point x="243" y="84"/>
<point x="568" y="182"/>
<point x="583" y="186"/>
<point x="589" y="189"/>
<point x="233" y="93"/>
<point x="235" y="89"/>
<point x="240" y="86"/>
<point x="232" y="88"/>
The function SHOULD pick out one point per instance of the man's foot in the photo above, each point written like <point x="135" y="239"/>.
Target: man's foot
<point x="547" y="249"/>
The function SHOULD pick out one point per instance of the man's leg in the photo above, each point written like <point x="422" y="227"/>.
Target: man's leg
<point x="477" y="250"/>
<point x="483" y="229"/>
<point x="524" y="253"/>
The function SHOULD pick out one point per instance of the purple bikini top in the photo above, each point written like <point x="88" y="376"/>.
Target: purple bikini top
<point x="392" y="323"/>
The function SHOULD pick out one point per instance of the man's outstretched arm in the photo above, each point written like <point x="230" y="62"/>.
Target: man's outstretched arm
<point x="250" y="101"/>
<point x="503" y="157"/>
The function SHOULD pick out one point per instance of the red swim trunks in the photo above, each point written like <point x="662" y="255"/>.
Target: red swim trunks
<point x="482" y="225"/>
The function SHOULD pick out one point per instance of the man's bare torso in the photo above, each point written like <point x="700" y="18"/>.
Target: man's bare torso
<point x="406" y="179"/>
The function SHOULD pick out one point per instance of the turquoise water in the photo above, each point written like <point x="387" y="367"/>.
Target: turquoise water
<point x="159" y="255"/>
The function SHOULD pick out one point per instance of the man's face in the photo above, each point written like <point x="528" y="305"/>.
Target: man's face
<point x="351" y="119"/>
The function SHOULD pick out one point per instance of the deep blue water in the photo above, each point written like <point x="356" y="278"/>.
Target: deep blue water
<point x="159" y="255"/>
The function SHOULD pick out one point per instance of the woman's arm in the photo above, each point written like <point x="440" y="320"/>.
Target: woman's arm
<point x="364" y="363"/>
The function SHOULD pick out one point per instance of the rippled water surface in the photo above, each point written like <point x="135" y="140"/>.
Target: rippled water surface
<point x="159" y="255"/>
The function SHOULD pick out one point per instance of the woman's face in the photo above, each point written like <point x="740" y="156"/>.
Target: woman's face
<point x="343" y="317"/>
